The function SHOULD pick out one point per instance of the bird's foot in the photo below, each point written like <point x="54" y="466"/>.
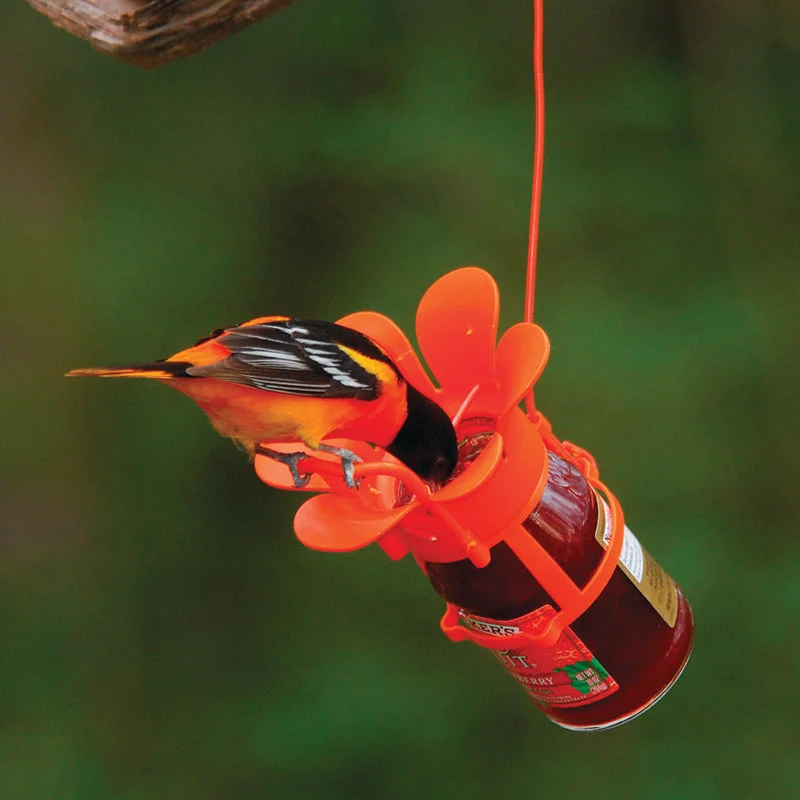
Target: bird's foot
<point x="290" y="459"/>
<point x="349" y="461"/>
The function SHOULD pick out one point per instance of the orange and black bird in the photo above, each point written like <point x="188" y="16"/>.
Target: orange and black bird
<point x="276" y="379"/>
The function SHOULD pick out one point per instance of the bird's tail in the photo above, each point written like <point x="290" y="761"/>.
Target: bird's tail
<point x="163" y="370"/>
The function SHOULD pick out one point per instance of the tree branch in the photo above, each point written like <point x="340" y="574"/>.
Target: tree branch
<point x="150" y="33"/>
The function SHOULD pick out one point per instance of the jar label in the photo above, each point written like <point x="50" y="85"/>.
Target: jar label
<point x="565" y="674"/>
<point x="643" y="570"/>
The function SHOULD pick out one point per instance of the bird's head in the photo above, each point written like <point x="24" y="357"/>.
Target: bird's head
<point x="426" y="443"/>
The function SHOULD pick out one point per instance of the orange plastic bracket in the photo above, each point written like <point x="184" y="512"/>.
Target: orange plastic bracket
<point x="571" y="600"/>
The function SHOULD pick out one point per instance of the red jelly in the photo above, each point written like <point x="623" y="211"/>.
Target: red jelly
<point x="623" y="653"/>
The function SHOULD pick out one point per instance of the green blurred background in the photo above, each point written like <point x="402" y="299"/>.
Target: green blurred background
<point x="163" y="633"/>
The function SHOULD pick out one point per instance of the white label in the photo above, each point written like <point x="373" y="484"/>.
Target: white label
<point x="632" y="556"/>
<point x="643" y="570"/>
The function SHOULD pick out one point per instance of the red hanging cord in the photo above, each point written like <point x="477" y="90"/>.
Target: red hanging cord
<point x="538" y="168"/>
<point x="538" y="157"/>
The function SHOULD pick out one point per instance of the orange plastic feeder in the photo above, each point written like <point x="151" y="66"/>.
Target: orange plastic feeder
<point x="525" y="544"/>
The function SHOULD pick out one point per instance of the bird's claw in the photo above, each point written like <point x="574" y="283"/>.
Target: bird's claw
<point x="349" y="460"/>
<point x="299" y="480"/>
<point x="348" y="467"/>
<point x="348" y="457"/>
<point x="290" y="460"/>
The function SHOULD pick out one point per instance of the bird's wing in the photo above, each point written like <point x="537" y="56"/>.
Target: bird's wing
<point x="300" y="357"/>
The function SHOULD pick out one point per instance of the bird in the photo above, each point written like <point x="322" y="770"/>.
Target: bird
<point x="280" y="379"/>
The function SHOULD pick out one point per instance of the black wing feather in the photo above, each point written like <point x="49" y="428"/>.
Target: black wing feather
<point x="300" y="357"/>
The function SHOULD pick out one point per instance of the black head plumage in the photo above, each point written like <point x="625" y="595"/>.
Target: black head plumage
<point x="426" y="443"/>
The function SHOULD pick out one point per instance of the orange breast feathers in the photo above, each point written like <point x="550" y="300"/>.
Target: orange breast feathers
<point x="254" y="416"/>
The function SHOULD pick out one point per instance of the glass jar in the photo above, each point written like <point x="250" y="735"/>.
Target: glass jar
<point x="623" y="653"/>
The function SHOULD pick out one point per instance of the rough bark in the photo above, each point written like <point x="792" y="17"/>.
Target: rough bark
<point x="149" y="33"/>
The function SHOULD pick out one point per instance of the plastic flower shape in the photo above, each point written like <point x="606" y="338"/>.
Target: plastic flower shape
<point x="457" y="331"/>
<point x="486" y="502"/>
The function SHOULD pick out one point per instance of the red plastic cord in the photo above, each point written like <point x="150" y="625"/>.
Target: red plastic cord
<point x="538" y="169"/>
<point x="538" y="156"/>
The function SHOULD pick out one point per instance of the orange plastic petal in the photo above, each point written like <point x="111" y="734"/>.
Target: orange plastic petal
<point x="457" y="331"/>
<point x="476" y="475"/>
<point x="521" y="357"/>
<point x="392" y="339"/>
<point x="338" y="523"/>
